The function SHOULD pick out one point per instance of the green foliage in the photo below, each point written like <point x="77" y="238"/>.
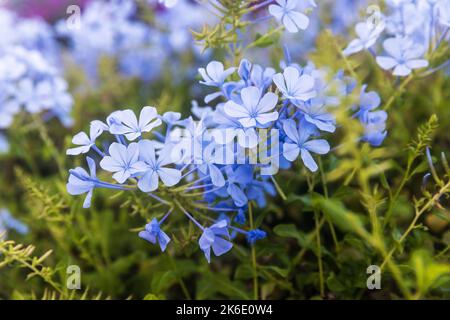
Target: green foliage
<point x="365" y="206"/>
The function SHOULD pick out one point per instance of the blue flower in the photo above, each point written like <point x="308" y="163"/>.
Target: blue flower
<point x="237" y="179"/>
<point x="124" y="161"/>
<point x="301" y="145"/>
<point x="84" y="141"/>
<point x="81" y="182"/>
<point x="444" y="12"/>
<point x="255" y="235"/>
<point x="154" y="234"/>
<point x="4" y="144"/>
<point x="255" y="75"/>
<point x="8" y="222"/>
<point x="155" y="168"/>
<point x="208" y="166"/>
<point x="126" y="123"/>
<point x="240" y="217"/>
<point x="284" y="11"/>
<point x="404" y="56"/>
<point x="368" y="101"/>
<point x="214" y="237"/>
<point x="367" y="36"/>
<point x="254" y="110"/>
<point x="375" y="128"/>
<point x="215" y="75"/>
<point x="294" y="86"/>
<point x="315" y="113"/>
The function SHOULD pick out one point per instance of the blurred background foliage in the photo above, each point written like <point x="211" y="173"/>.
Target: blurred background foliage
<point x="366" y="206"/>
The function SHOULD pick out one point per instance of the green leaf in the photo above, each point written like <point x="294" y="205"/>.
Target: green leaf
<point x="427" y="271"/>
<point x="290" y="231"/>
<point x="151" y="296"/>
<point x="341" y="217"/>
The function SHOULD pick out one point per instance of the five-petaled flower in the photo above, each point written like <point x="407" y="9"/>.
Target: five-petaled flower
<point x="125" y="122"/>
<point x="404" y="56"/>
<point x="301" y="145"/>
<point x="156" y="167"/>
<point x="284" y="11"/>
<point x="294" y="86"/>
<point x="124" y="161"/>
<point x="254" y="110"/>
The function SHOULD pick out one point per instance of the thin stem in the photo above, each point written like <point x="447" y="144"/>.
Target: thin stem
<point x="319" y="254"/>
<point x="254" y="265"/>
<point x="398" y="91"/>
<point x="412" y="226"/>
<point x="188" y="215"/>
<point x="325" y="191"/>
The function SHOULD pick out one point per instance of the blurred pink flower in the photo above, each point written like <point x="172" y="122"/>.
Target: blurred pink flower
<point x="49" y="10"/>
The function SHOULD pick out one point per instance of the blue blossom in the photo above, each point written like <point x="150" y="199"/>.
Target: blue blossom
<point x="156" y="167"/>
<point x="284" y="11"/>
<point x="125" y="122"/>
<point x="214" y="76"/>
<point x="208" y="167"/>
<point x="302" y="145"/>
<point x="240" y="217"/>
<point x="81" y="182"/>
<point x="255" y="75"/>
<point x="124" y="161"/>
<point x="215" y="237"/>
<point x="28" y="81"/>
<point x="255" y="109"/>
<point x="84" y="141"/>
<point x="294" y="86"/>
<point x="367" y="34"/>
<point x="237" y="179"/>
<point x="375" y="128"/>
<point x="154" y="234"/>
<point x="444" y="13"/>
<point x="8" y="222"/>
<point x="404" y="56"/>
<point x="4" y="145"/>
<point x="368" y="101"/>
<point x="316" y="113"/>
<point x="255" y="235"/>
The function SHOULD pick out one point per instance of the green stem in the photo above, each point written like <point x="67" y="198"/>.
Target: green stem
<point x="411" y="227"/>
<point x="319" y="254"/>
<point x="254" y="265"/>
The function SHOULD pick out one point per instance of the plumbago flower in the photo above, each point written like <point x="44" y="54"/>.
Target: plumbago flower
<point x="407" y="30"/>
<point x="28" y="83"/>
<point x="255" y="110"/>
<point x="404" y="56"/>
<point x="374" y="122"/>
<point x="214" y="76"/>
<point x="110" y="28"/>
<point x="299" y="143"/>
<point x="208" y="163"/>
<point x="285" y="12"/>
<point x="8" y="222"/>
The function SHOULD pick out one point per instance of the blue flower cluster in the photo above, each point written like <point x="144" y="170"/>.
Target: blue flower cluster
<point x="28" y="82"/>
<point x="256" y="121"/>
<point x="110" y="29"/>
<point x="29" y="78"/>
<point x="114" y="29"/>
<point x="30" y="33"/>
<point x="411" y="31"/>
